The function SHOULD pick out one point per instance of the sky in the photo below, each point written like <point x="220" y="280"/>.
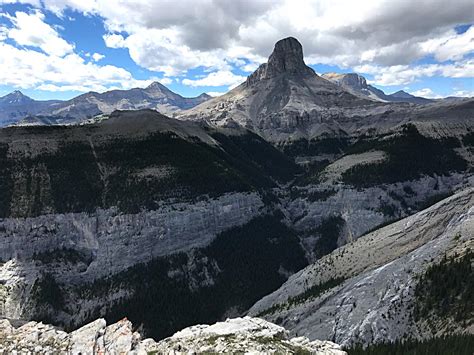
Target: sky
<point x="57" y="49"/>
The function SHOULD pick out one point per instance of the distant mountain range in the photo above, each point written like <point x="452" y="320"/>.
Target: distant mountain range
<point x="357" y="85"/>
<point x="15" y="106"/>
<point x="19" y="108"/>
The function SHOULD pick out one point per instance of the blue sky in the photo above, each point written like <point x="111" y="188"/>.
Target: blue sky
<point x="61" y="48"/>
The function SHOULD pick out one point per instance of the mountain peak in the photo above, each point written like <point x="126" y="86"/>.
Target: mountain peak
<point x="15" y="97"/>
<point x="402" y="94"/>
<point x="156" y="85"/>
<point x="287" y="57"/>
<point x="350" y="79"/>
<point x="16" y="93"/>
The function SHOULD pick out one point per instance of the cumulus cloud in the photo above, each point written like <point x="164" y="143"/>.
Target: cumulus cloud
<point x="165" y="81"/>
<point x="426" y="92"/>
<point x="114" y="40"/>
<point x="173" y="37"/>
<point x="219" y="78"/>
<point x="463" y="93"/>
<point x="25" y="68"/>
<point x="215" y="93"/>
<point x="43" y="60"/>
<point x="404" y="74"/>
<point x="31" y="30"/>
<point x="97" y="56"/>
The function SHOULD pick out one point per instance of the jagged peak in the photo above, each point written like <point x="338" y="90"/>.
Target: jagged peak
<point x="16" y="93"/>
<point x="156" y="85"/>
<point x="287" y="57"/>
<point x="15" y="97"/>
<point x="352" y="79"/>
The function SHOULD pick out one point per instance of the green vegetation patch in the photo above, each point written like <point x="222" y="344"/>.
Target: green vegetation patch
<point x="6" y="182"/>
<point x="310" y="293"/>
<point x="313" y="147"/>
<point x="254" y="155"/>
<point x="62" y="255"/>
<point x="135" y="174"/>
<point x="431" y="200"/>
<point x="48" y="299"/>
<point x="447" y="290"/>
<point x="328" y="231"/>
<point x="447" y="345"/>
<point x="468" y="139"/>
<point x="410" y="156"/>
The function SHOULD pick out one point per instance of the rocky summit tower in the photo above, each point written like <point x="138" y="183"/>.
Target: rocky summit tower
<point x="287" y="57"/>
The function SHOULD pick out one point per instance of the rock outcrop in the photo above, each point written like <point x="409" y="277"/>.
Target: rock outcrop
<point x="287" y="58"/>
<point x="357" y="85"/>
<point x="240" y="335"/>
<point x="367" y="287"/>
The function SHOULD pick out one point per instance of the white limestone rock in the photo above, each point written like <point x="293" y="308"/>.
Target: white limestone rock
<point x="85" y="339"/>
<point x="243" y="335"/>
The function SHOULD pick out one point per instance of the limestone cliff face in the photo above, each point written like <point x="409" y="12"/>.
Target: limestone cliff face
<point x="107" y="242"/>
<point x="113" y="241"/>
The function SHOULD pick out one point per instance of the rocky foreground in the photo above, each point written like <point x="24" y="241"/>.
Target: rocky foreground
<point x="239" y="335"/>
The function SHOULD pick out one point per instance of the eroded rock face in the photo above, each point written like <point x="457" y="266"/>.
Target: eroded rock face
<point x="287" y="57"/>
<point x="106" y="243"/>
<point x="243" y="335"/>
<point x="377" y="275"/>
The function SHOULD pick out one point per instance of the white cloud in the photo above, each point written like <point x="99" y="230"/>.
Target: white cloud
<point x="3" y="33"/>
<point x="404" y="74"/>
<point x="97" y="56"/>
<point x="451" y="46"/>
<point x="165" y="81"/>
<point x="219" y="78"/>
<point x="25" y="68"/>
<point x="36" y="3"/>
<point x="31" y="30"/>
<point x="383" y="32"/>
<point x="57" y="67"/>
<point x="114" y="40"/>
<point x="427" y="93"/>
<point x="215" y="93"/>
<point x="463" y="93"/>
<point x="173" y="37"/>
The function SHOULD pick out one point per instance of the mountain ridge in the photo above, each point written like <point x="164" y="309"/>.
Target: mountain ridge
<point x="285" y="101"/>
<point x="155" y="96"/>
